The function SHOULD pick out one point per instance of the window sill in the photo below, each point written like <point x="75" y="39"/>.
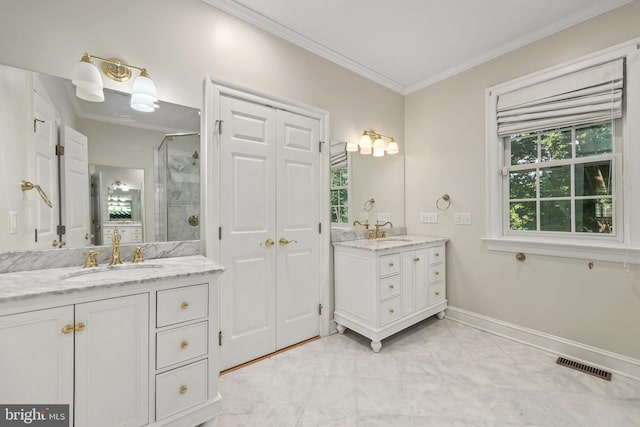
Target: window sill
<point x="612" y="252"/>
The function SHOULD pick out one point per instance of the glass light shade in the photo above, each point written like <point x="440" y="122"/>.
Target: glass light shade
<point x="392" y="147"/>
<point x="378" y="144"/>
<point x="144" y="85"/>
<point x="365" y="141"/>
<point x="92" y="95"/>
<point x="352" y="147"/>
<point x="365" y="150"/>
<point x="378" y="152"/>
<point x="85" y="75"/>
<point x="142" y="102"/>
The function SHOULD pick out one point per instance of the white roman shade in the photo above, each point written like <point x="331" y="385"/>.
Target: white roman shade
<point x="585" y="96"/>
<point x="338" y="155"/>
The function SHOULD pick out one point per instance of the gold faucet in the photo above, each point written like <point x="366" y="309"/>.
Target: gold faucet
<point x="137" y="255"/>
<point x="381" y="234"/>
<point x="91" y="259"/>
<point x="115" y="251"/>
<point x="365" y="225"/>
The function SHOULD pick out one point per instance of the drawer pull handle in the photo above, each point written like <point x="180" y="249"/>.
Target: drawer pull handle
<point x="391" y="286"/>
<point x="437" y="273"/>
<point x="67" y="329"/>
<point x="183" y="389"/>
<point x="390" y="264"/>
<point x="437" y="293"/>
<point x="391" y="310"/>
<point x="184" y="305"/>
<point x="184" y="345"/>
<point x="416" y="259"/>
<point x="437" y="253"/>
<point x="79" y="327"/>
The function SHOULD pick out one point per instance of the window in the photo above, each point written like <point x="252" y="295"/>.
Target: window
<point x="339" y="184"/>
<point x="563" y="159"/>
<point x="561" y="181"/>
<point x="340" y="196"/>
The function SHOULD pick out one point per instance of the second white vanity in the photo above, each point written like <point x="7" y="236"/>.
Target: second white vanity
<point x="383" y="286"/>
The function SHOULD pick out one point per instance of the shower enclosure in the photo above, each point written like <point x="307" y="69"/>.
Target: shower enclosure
<point x="177" y="180"/>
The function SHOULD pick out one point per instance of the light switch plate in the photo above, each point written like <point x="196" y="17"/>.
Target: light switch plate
<point x="384" y="216"/>
<point x="462" y="218"/>
<point x="429" y="217"/>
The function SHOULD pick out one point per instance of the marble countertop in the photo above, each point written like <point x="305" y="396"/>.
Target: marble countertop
<point x="23" y="285"/>
<point x="392" y="242"/>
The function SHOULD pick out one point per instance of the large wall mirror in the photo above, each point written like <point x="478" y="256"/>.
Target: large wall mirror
<point x="119" y="167"/>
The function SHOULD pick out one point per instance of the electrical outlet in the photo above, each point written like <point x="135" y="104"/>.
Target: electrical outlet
<point x="384" y="216"/>
<point x="462" y="218"/>
<point x="429" y="217"/>
<point x="13" y="222"/>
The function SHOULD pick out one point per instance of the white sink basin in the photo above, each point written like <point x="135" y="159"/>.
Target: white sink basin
<point x="127" y="271"/>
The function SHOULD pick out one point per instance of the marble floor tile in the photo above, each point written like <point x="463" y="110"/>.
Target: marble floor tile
<point x="435" y="373"/>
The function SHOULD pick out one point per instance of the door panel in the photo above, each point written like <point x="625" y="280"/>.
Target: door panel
<point x="44" y="172"/>
<point x="298" y="216"/>
<point x="247" y="217"/>
<point x="75" y="181"/>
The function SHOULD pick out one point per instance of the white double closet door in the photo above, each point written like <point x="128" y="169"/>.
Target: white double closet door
<point x="270" y="238"/>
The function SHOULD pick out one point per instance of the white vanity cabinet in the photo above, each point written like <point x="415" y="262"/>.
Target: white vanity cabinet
<point x="49" y="353"/>
<point x="132" y="354"/>
<point x="382" y="287"/>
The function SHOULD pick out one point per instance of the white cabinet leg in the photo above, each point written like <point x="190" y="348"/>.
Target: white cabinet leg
<point x="340" y="328"/>
<point x="376" y="346"/>
<point x="441" y="315"/>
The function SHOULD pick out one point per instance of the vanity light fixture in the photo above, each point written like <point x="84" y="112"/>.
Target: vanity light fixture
<point x="374" y="143"/>
<point x="89" y="86"/>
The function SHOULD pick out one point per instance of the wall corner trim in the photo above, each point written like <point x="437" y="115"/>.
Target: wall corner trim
<point x="603" y="359"/>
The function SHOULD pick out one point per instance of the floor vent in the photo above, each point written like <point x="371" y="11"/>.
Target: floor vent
<point x="584" y="368"/>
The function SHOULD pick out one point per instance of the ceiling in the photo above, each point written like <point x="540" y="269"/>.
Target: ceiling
<point x="406" y="45"/>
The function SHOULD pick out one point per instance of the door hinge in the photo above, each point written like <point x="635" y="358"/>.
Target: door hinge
<point x="35" y="124"/>
<point x="219" y="125"/>
<point x="61" y="229"/>
<point x="219" y="338"/>
<point x="219" y="233"/>
<point x="59" y="150"/>
<point x="319" y="309"/>
<point x="320" y="146"/>
<point x="319" y="228"/>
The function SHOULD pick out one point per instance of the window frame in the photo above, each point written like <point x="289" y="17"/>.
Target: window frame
<point x="340" y="225"/>
<point x="625" y="247"/>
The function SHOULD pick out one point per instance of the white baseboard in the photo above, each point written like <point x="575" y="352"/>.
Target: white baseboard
<point x="593" y="356"/>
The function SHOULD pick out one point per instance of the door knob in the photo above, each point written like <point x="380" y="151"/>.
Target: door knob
<point x="268" y="243"/>
<point x="284" y="241"/>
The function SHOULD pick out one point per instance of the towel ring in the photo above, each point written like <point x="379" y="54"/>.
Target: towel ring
<point x="368" y="205"/>
<point x="446" y="199"/>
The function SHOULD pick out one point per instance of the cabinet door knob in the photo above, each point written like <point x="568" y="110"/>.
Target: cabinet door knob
<point x="437" y="254"/>
<point x="184" y="305"/>
<point x="437" y="293"/>
<point x="391" y="310"/>
<point x="183" y="389"/>
<point x="79" y="327"/>
<point x="416" y="259"/>
<point x="391" y="286"/>
<point x="67" y="329"/>
<point x="390" y="264"/>
<point x="184" y="345"/>
<point x="437" y="273"/>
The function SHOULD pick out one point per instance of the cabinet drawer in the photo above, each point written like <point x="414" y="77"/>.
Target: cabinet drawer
<point x="182" y="304"/>
<point x="437" y="293"/>
<point x="389" y="264"/>
<point x="436" y="272"/>
<point x="389" y="286"/>
<point x="436" y="254"/>
<point x="180" y="389"/>
<point x="180" y="344"/>
<point x="390" y="310"/>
